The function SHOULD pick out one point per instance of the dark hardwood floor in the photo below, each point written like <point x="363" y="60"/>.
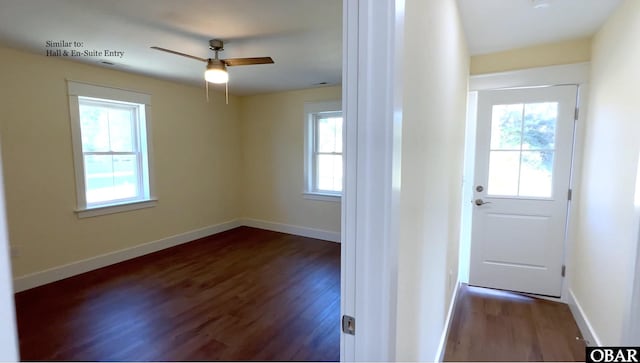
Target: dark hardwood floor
<point x="244" y="294"/>
<point x="493" y="325"/>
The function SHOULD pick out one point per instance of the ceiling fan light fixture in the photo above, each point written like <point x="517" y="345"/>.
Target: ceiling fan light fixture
<point x="216" y="72"/>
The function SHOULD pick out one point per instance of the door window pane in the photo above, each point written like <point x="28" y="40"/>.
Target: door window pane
<point x="540" y="126"/>
<point x="535" y="174"/>
<point x="503" y="172"/>
<point x="506" y="127"/>
<point x="522" y="149"/>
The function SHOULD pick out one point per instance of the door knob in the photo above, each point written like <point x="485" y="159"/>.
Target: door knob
<point x="480" y="202"/>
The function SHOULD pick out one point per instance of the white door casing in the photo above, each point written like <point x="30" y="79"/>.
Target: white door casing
<point x="518" y="235"/>
<point x="8" y="331"/>
<point x="372" y="109"/>
<point x="631" y="334"/>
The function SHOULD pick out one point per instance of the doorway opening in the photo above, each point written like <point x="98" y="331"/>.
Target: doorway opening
<point x="520" y="151"/>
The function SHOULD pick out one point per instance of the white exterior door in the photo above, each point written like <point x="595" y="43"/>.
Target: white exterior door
<point x="522" y="174"/>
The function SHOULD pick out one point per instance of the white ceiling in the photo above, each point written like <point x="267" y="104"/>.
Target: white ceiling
<point x="304" y="37"/>
<point x="497" y="25"/>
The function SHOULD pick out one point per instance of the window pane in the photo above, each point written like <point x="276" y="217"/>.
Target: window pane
<point x="338" y="122"/>
<point x="125" y="176"/>
<point x="98" y="177"/>
<point x="506" y="127"/>
<point x="106" y="128"/>
<point x="329" y="173"/>
<point x="536" y="174"/>
<point x="503" y="173"/>
<point x="121" y="129"/>
<point x="94" y="127"/>
<point x="330" y="135"/>
<point x="110" y="177"/>
<point x="540" y="126"/>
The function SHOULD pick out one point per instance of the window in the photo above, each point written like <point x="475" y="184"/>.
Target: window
<point x="110" y="145"/>
<point x="323" y="148"/>
<point x="522" y="149"/>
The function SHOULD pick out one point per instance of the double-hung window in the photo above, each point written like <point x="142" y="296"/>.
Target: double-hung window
<point x="111" y="153"/>
<point x="323" y="148"/>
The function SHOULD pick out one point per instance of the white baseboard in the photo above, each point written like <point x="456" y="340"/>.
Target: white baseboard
<point x="75" y="268"/>
<point x="589" y="335"/>
<point x="291" y="229"/>
<point x="40" y="278"/>
<point x="447" y="325"/>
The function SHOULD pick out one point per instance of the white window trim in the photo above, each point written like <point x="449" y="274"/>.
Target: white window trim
<point x="116" y="208"/>
<point x="325" y="197"/>
<point x="79" y="89"/>
<point x="311" y="108"/>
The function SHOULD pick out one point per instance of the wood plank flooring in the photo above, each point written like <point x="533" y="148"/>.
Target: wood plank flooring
<point x="493" y="325"/>
<point x="244" y="294"/>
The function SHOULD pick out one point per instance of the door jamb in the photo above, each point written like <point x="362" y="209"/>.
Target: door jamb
<point x="577" y="74"/>
<point x="372" y="107"/>
<point x="631" y="326"/>
<point x="9" y="349"/>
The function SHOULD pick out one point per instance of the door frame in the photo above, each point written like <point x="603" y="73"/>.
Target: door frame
<point x="576" y="74"/>
<point x="631" y="329"/>
<point x="372" y="108"/>
<point x="9" y="351"/>
<point x="520" y="269"/>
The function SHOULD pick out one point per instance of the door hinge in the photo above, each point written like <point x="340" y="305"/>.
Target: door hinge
<point x="577" y="114"/>
<point x="564" y="270"/>
<point x="348" y="325"/>
<point x="570" y="194"/>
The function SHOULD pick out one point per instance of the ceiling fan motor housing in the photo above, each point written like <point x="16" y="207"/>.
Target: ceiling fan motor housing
<point x="216" y="45"/>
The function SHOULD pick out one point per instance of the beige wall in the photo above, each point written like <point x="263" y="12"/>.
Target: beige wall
<point x="608" y="219"/>
<point x="212" y="162"/>
<point x="273" y="160"/>
<point x="196" y="163"/>
<point x="567" y="52"/>
<point x="435" y="91"/>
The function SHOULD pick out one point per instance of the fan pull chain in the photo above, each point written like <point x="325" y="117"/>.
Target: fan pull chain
<point x="226" y="91"/>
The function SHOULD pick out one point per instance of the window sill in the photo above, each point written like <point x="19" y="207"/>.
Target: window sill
<point x="323" y="197"/>
<point x="117" y="208"/>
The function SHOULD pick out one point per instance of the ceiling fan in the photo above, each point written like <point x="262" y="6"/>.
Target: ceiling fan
<point x="216" y="71"/>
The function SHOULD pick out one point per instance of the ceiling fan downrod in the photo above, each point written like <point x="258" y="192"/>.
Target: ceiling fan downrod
<point x="216" y="45"/>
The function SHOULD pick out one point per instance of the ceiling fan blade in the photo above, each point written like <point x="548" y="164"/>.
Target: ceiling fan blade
<point x="247" y="61"/>
<point x="182" y="54"/>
